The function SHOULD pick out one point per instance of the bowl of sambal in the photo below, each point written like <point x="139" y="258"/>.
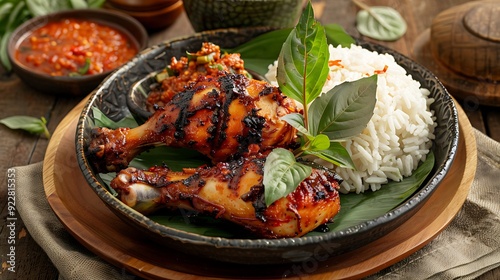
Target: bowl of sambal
<point x="72" y="52"/>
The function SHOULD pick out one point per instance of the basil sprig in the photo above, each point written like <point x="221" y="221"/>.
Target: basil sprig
<point x="27" y="123"/>
<point x="327" y="117"/>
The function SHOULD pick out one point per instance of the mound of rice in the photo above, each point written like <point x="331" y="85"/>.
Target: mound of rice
<point x="399" y="134"/>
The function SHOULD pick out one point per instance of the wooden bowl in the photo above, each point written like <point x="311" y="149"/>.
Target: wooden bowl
<point x="466" y="39"/>
<point x="68" y="85"/>
<point x="154" y="19"/>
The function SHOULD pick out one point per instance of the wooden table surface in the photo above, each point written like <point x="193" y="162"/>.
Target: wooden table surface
<point x="19" y="148"/>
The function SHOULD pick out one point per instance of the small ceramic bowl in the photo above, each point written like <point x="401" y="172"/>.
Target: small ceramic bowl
<point x="68" y="85"/>
<point x="240" y="249"/>
<point x="151" y="17"/>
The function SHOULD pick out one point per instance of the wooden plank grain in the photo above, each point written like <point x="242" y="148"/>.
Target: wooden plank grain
<point x="17" y="149"/>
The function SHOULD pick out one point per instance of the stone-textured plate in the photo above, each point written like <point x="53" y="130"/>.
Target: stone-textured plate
<point x="110" y="98"/>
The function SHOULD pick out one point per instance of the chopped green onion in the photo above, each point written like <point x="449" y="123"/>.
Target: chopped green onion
<point x="161" y="76"/>
<point x="217" y="66"/>
<point x="201" y="59"/>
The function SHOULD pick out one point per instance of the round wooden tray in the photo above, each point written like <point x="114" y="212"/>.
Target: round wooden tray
<point x="88" y="219"/>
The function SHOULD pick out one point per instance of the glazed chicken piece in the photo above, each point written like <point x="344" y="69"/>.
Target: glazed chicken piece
<point x="234" y="191"/>
<point x="219" y="117"/>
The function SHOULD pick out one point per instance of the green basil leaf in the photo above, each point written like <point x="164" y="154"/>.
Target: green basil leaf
<point x="27" y="123"/>
<point x="337" y="36"/>
<point x="101" y="120"/>
<point x="335" y="154"/>
<point x="78" y="4"/>
<point x="5" y="10"/>
<point x="54" y="5"/>
<point x="282" y="174"/>
<point x="381" y="23"/>
<point x="345" y="110"/>
<point x="303" y="60"/>
<point x="4" y="57"/>
<point x="96" y="3"/>
<point x="319" y="142"/>
<point x="14" y="15"/>
<point x="358" y="208"/>
<point x="39" y="7"/>
<point x="297" y="121"/>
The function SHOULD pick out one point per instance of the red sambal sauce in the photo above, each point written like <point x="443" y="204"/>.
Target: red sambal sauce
<point x="75" y="47"/>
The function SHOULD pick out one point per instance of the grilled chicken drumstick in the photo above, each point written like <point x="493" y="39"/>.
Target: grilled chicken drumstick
<point x="219" y="117"/>
<point x="234" y="191"/>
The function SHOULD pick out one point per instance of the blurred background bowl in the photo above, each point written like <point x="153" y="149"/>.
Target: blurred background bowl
<point x="141" y="5"/>
<point x="152" y="14"/>
<point x="67" y="85"/>
<point x="215" y="14"/>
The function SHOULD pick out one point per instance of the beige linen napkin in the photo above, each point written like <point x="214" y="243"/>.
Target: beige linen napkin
<point x="468" y="248"/>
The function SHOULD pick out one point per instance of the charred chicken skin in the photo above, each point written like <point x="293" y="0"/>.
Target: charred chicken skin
<point x="234" y="191"/>
<point x="219" y="117"/>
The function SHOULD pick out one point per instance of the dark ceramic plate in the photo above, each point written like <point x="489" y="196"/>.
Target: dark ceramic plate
<point x="110" y="98"/>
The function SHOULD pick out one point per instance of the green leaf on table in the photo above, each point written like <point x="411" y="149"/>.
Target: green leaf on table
<point x="32" y="125"/>
<point x="282" y="174"/>
<point x="345" y="110"/>
<point x="380" y="22"/>
<point x="358" y="208"/>
<point x="303" y="60"/>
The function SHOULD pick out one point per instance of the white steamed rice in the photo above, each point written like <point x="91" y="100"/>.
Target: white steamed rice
<point x="399" y="134"/>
